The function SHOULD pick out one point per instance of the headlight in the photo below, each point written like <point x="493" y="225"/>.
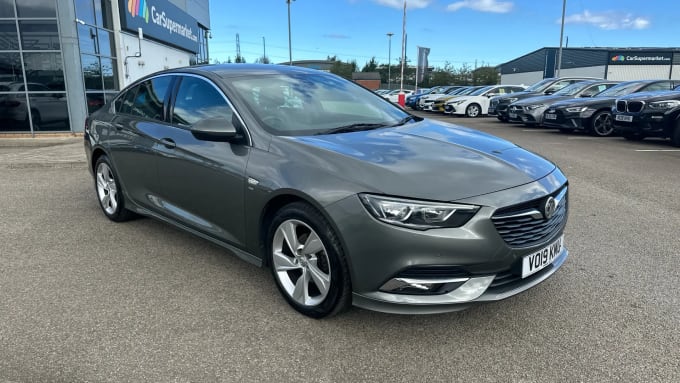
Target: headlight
<point x="456" y="102"/>
<point x="667" y="104"/>
<point x="420" y="215"/>
<point x="534" y="107"/>
<point x="577" y="109"/>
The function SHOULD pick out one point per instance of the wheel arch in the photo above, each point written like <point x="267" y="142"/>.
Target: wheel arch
<point x="277" y="201"/>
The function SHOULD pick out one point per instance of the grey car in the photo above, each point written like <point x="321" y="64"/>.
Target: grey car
<point x="345" y="197"/>
<point x="530" y="110"/>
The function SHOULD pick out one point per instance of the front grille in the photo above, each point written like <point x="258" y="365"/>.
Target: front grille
<point x="427" y="272"/>
<point x="629" y="106"/>
<point x="524" y="225"/>
<point x="635" y="106"/>
<point x="620" y="106"/>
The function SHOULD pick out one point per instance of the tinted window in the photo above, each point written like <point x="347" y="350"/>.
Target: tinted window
<point x="148" y="102"/>
<point x="124" y="102"/>
<point x="666" y="85"/>
<point x="197" y="100"/>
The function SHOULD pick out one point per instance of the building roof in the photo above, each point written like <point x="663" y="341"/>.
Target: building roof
<point x="366" y="76"/>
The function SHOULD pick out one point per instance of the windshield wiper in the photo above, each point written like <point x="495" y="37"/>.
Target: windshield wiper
<point x="407" y="119"/>
<point x="352" y="128"/>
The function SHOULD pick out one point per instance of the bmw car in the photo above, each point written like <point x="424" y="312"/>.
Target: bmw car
<point x="344" y="197"/>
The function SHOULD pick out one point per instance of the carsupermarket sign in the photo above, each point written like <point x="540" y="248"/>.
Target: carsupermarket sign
<point x="629" y="58"/>
<point x="160" y="20"/>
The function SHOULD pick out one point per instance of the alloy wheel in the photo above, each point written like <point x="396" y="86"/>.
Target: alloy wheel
<point x="106" y="188"/>
<point x="301" y="263"/>
<point x="602" y="125"/>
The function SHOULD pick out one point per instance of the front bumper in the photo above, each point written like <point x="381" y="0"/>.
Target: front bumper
<point x="651" y="124"/>
<point x="378" y="253"/>
<point x="569" y="120"/>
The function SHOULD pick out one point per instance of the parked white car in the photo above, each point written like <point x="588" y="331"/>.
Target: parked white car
<point x="393" y="96"/>
<point x="477" y="103"/>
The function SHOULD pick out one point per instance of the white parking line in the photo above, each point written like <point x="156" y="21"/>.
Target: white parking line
<point x="657" y="150"/>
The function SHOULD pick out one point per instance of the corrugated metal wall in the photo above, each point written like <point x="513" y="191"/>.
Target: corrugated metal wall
<point x="592" y="71"/>
<point x="526" y="78"/>
<point x="638" y="72"/>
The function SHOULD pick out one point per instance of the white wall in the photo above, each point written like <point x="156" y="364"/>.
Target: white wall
<point x="155" y="57"/>
<point x="527" y="78"/>
<point x="637" y="72"/>
<point x="676" y="72"/>
<point x="591" y="71"/>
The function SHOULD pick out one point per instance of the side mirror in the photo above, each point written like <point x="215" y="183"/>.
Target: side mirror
<point x="217" y="129"/>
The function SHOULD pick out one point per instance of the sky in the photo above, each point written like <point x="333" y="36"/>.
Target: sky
<point x="458" y="32"/>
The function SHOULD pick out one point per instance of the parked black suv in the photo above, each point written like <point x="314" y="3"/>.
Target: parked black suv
<point x="594" y="115"/>
<point x="641" y="115"/>
<point x="499" y="104"/>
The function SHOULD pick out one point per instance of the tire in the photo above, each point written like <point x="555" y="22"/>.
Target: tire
<point x="109" y="193"/>
<point x="601" y="124"/>
<point x="675" y="135"/>
<point x="473" y="110"/>
<point x="313" y="277"/>
<point x="502" y="119"/>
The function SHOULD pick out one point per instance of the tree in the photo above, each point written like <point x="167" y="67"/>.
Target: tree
<point x="486" y="75"/>
<point x="343" y="69"/>
<point x="263" y="60"/>
<point x="371" y="66"/>
<point x="239" y="59"/>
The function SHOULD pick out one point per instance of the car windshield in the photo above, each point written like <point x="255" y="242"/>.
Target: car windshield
<point x="541" y="85"/>
<point x="572" y="89"/>
<point x="307" y="104"/>
<point x="468" y="91"/>
<point x="620" y="90"/>
<point x="481" y="91"/>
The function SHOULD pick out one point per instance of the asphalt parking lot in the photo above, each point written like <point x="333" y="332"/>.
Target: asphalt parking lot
<point x="85" y="299"/>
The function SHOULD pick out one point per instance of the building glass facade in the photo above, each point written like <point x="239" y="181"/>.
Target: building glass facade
<point x="97" y="51"/>
<point x="32" y="89"/>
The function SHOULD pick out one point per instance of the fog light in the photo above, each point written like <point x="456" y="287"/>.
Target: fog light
<point x="433" y="286"/>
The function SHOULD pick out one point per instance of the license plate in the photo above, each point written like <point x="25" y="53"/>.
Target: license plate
<point x="623" y="117"/>
<point x="492" y="111"/>
<point x="540" y="259"/>
<point x="550" y="116"/>
<point x="512" y="115"/>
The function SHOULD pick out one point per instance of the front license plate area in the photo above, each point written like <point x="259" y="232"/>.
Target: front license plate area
<point x="540" y="259"/>
<point x="512" y="115"/>
<point x="623" y="117"/>
<point x="550" y="116"/>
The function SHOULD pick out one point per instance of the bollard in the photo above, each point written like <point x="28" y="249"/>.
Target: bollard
<point x="402" y="99"/>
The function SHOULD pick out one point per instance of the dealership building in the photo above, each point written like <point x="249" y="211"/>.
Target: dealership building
<point x="62" y="59"/>
<point x="620" y="64"/>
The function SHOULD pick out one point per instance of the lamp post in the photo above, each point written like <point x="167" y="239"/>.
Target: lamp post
<point x="290" y="50"/>
<point x="389" y="61"/>
<point x="559" y="53"/>
<point x="402" y="96"/>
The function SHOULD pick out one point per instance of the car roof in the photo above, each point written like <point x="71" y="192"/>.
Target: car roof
<point x="238" y="70"/>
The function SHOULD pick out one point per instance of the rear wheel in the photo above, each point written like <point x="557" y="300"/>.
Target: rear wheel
<point x="109" y="192"/>
<point x="307" y="262"/>
<point x="473" y="110"/>
<point x="601" y="124"/>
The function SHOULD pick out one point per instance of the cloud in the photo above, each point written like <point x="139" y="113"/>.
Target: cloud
<point x="399" y="4"/>
<point x="493" y="6"/>
<point x="607" y="20"/>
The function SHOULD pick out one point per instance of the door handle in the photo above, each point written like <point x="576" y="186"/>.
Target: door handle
<point x="168" y="143"/>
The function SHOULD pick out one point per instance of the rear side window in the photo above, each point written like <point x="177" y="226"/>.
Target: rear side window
<point x="145" y="99"/>
<point x="148" y="101"/>
<point x="197" y="100"/>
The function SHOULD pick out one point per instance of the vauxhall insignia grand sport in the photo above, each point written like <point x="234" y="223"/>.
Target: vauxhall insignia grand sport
<point x="345" y="197"/>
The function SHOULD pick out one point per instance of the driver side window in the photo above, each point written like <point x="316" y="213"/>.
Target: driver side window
<point x="197" y="100"/>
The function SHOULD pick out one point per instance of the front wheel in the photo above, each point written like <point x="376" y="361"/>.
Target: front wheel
<point x="675" y="136"/>
<point x="307" y="262"/>
<point x="473" y="110"/>
<point x="601" y="125"/>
